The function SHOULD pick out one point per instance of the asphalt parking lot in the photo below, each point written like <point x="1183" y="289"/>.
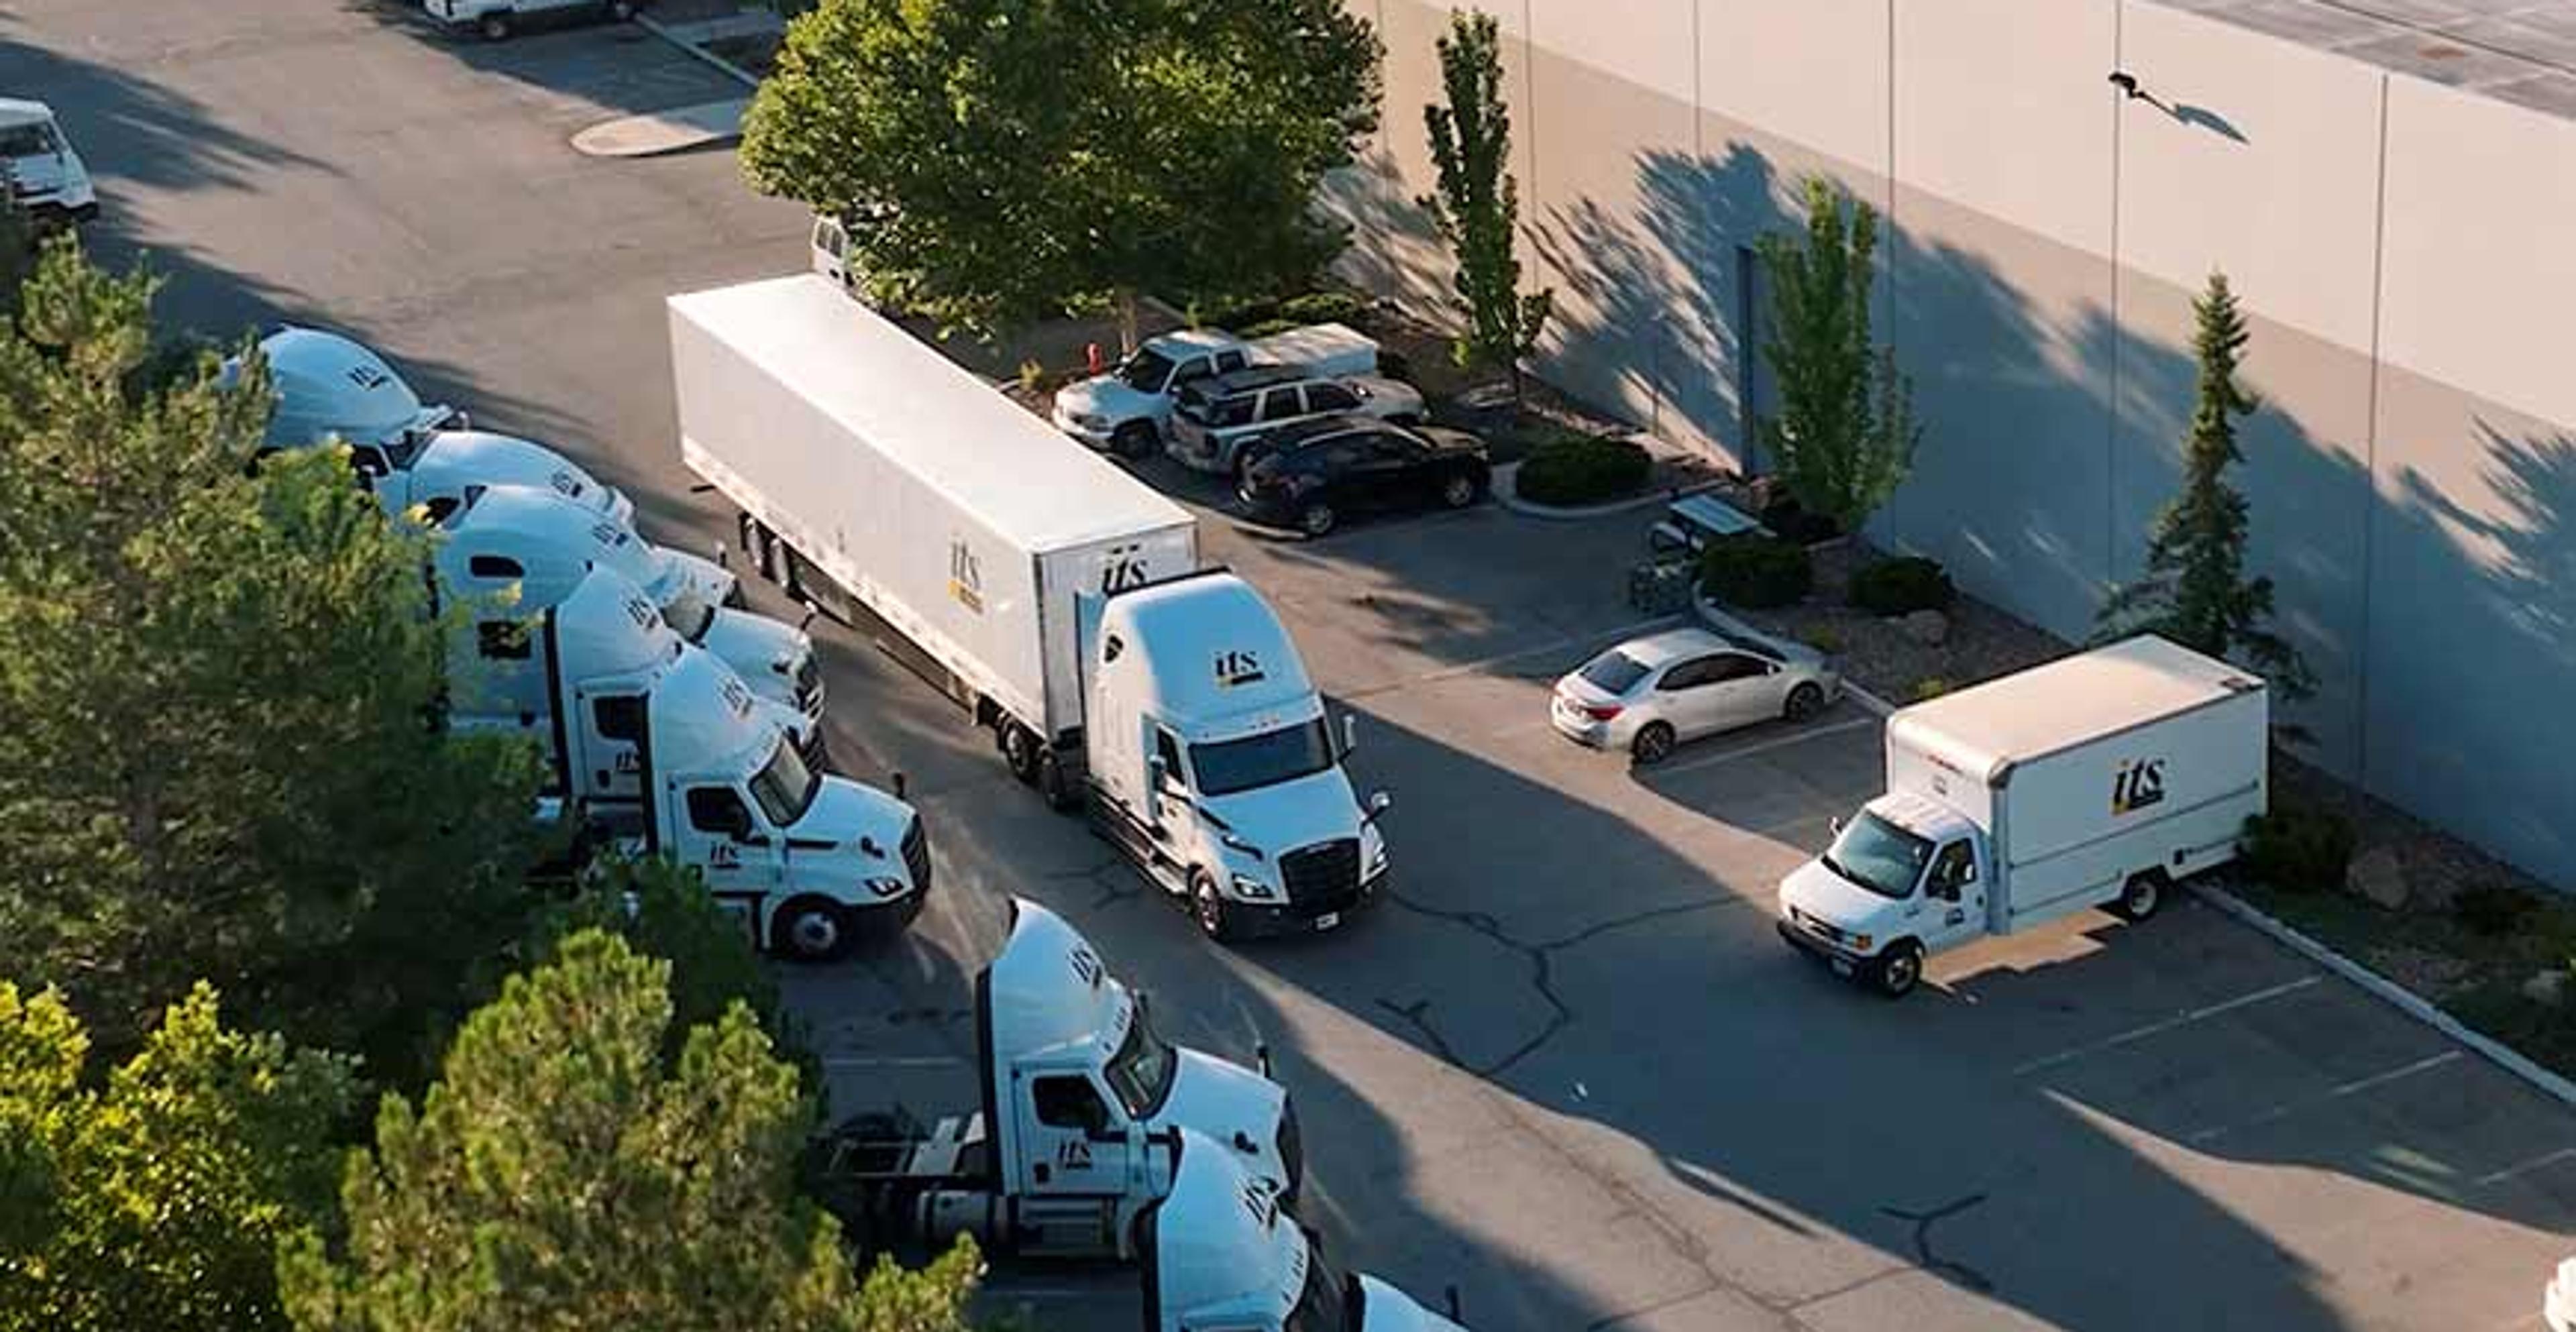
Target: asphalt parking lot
<point x="1568" y="1068"/>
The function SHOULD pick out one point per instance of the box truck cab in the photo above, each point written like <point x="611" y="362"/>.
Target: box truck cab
<point x="45" y="173"/>
<point x="1223" y="1253"/>
<point x="809" y="862"/>
<point x="1214" y="765"/>
<point x="409" y="452"/>
<point x="1127" y="410"/>
<point x="544" y="542"/>
<point x="1079" y="1099"/>
<point x="2100" y="779"/>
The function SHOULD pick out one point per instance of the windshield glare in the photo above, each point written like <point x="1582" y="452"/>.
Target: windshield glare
<point x="1613" y="672"/>
<point x="784" y="786"/>
<point x="1145" y="370"/>
<point x="1319" y="1305"/>
<point x="1879" y="856"/>
<point x="1226" y="766"/>
<point x="1142" y="1070"/>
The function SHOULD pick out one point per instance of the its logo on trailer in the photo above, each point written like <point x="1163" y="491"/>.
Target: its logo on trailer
<point x="2137" y="784"/>
<point x="965" y="577"/>
<point x="1124" y="569"/>
<point x="1237" y="668"/>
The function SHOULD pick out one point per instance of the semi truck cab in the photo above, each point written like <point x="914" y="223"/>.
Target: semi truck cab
<point x="1214" y="765"/>
<point x="44" y="171"/>
<point x="1081" y="1098"/>
<point x="1223" y="1253"/>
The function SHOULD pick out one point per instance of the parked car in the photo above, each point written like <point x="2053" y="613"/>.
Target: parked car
<point x="1126" y="411"/>
<point x="497" y="19"/>
<point x="42" y="168"/>
<point x="1312" y="473"/>
<point x="2558" y="1301"/>
<point x="1650" y="694"/>
<point x="1213" y="419"/>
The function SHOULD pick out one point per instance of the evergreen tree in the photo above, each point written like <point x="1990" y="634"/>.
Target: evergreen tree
<point x="1845" y="434"/>
<point x="1477" y="205"/>
<point x="2194" y="589"/>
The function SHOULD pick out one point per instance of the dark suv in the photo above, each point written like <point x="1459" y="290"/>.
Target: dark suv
<point x="1213" y="419"/>
<point x="1309" y="475"/>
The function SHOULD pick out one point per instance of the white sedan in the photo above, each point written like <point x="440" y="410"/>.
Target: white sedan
<point x="1650" y="694"/>
<point x="2558" y="1301"/>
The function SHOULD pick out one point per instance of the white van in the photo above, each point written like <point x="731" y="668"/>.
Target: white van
<point x="497" y="19"/>
<point x="47" y="177"/>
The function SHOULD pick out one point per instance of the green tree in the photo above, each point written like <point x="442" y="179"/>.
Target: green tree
<point x="1477" y="206"/>
<point x="1001" y="161"/>
<point x="156" y="1201"/>
<point x="1844" y="437"/>
<point x="662" y="909"/>
<point x="215" y="682"/>
<point x="19" y="241"/>
<point x="2194" y="589"/>
<point x="569" y="1172"/>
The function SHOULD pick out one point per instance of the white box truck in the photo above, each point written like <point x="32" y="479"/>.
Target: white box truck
<point x="2098" y="779"/>
<point x="1054" y="596"/>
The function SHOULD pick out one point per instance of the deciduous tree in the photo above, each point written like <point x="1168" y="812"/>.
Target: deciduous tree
<point x="1844" y="437"/>
<point x="1477" y="207"/>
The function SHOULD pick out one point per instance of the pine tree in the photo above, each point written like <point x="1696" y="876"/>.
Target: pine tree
<point x="1476" y="207"/>
<point x="2194" y="589"/>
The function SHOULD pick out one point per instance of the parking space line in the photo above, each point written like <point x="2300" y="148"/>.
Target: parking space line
<point x="1488" y="663"/>
<point x="1775" y="742"/>
<point x="2288" y="1108"/>
<point x="2542" y="1161"/>
<point x="2136" y="1034"/>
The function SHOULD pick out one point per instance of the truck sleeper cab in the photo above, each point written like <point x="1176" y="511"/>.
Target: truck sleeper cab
<point x="44" y="171"/>
<point x="1079" y="1099"/>
<point x="1213" y="766"/>
<point x="2099" y="779"/>
<point x="1222" y="1252"/>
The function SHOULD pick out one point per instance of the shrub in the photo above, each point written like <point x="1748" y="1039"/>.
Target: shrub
<point x="1793" y="522"/>
<point x="1823" y="639"/>
<point x="2299" y="849"/>
<point x="1754" y="571"/>
<point x="1931" y="687"/>
<point x="1902" y="586"/>
<point x="2493" y="909"/>
<point x="1325" y="307"/>
<point x="1583" y="469"/>
<point x="1032" y="375"/>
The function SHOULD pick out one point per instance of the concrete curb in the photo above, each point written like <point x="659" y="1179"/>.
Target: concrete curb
<point x="2389" y="992"/>
<point x="1508" y="495"/>
<point x="736" y="72"/>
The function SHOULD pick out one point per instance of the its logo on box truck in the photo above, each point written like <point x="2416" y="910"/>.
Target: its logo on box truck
<point x="2137" y="784"/>
<point x="965" y="579"/>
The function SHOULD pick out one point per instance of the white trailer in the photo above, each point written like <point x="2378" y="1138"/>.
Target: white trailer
<point x="2096" y="780"/>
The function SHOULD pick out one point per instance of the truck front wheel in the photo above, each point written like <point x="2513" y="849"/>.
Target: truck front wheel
<point x="1020" y="750"/>
<point x="495" y="27"/>
<point x="1136" y="439"/>
<point x="1207" y="907"/>
<point x="810" y="929"/>
<point x="2140" y="897"/>
<point x="1898" y="969"/>
<point x="1055" y="785"/>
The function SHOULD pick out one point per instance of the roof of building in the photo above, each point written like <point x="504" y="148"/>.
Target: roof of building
<point x="2519" y="51"/>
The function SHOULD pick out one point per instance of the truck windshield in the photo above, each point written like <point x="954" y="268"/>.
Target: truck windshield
<point x="1142" y="1070"/>
<point x="1321" y="1306"/>
<point x="34" y="140"/>
<point x="1879" y="856"/>
<point x="784" y="786"/>
<point x="1227" y="766"/>
<point x="1145" y="369"/>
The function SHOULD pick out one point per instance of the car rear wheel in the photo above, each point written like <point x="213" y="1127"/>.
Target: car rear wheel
<point x="1317" y="519"/>
<point x="810" y="929"/>
<point x="1458" y="491"/>
<point x="495" y="27"/>
<point x="1898" y="970"/>
<point x="2141" y="895"/>
<point x="1654" y="744"/>
<point x="1804" y="701"/>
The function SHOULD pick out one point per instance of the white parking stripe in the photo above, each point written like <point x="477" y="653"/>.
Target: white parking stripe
<point x="1775" y="742"/>
<point x="2526" y="1167"/>
<point x="2135" y="1034"/>
<point x="2288" y="1108"/>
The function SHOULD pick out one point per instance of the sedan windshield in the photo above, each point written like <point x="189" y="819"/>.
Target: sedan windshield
<point x="1320" y="1304"/>
<point x="1284" y="755"/>
<point x="1142" y="1070"/>
<point x="1613" y="672"/>
<point x="1145" y="370"/>
<point x="784" y="786"/>
<point x="1879" y="856"/>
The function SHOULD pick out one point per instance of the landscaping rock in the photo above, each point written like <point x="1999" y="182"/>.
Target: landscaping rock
<point x="2547" y="988"/>
<point x="1931" y="628"/>
<point x="2376" y="877"/>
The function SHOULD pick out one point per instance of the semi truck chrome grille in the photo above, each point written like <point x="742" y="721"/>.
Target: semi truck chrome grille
<point x="1326" y="871"/>
<point x="809" y="686"/>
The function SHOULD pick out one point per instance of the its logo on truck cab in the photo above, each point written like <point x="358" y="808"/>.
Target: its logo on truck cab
<point x="965" y="579"/>
<point x="2137" y="784"/>
<point x="1237" y="668"/>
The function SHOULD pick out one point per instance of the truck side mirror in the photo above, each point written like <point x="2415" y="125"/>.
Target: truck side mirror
<point x="1158" y="774"/>
<point x="1834" y="826"/>
<point x="1350" y="733"/>
<point x="1379" y="802"/>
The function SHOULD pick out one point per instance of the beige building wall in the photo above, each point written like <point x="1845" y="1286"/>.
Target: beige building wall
<point x="2398" y="248"/>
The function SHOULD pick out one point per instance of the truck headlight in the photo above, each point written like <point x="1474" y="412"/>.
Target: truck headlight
<point x="1247" y="886"/>
<point x="1376" y="860"/>
<point x="888" y="887"/>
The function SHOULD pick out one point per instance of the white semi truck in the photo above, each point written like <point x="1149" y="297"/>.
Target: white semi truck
<point x="409" y="452"/>
<point x="2098" y="779"/>
<point x="1055" y="597"/>
<point x="1128" y="410"/>
<point x="537" y="540"/>
<point x="1079" y="1101"/>
<point x="1223" y="1253"/>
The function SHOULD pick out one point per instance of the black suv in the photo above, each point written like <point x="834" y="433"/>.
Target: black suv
<point x="1308" y="475"/>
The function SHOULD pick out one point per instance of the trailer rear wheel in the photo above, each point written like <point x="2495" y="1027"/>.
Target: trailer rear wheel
<point x="1020" y="751"/>
<point x="1898" y="969"/>
<point x="2140" y="897"/>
